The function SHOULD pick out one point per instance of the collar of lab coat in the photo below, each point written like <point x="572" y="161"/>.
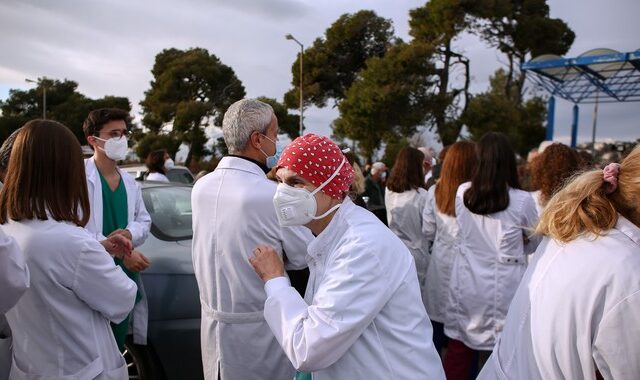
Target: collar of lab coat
<point x="237" y="163"/>
<point x="324" y="243"/>
<point x="629" y="229"/>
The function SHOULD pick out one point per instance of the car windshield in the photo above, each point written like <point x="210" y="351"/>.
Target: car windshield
<point x="180" y="175"/>
<point x="170" y="210"/>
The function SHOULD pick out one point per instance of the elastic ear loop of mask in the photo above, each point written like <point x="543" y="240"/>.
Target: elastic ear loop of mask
<point x="325" y="183"/>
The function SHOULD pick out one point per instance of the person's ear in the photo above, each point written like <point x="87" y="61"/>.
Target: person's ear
<point x="254" y="140"/>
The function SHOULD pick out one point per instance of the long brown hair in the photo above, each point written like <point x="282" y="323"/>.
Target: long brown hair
<point x="582" y="206"/>
<point x="495" y="174"/>
<point x="407" y="173"/>
<point x="155" y="161"/>
<point x="551" y="169"/>
<point x="45" y="177"/>
<point x="457" y="168"/>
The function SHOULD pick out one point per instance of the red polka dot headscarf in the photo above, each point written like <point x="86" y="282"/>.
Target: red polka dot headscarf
<point x="315" y="158"/>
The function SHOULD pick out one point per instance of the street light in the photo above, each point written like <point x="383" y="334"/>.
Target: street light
<point x="44" y="94"/>
<point x="290" y="37"/>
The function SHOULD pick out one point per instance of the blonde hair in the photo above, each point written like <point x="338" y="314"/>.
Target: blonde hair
<point x="358" y="184"/>
<point x="584" y="207"/>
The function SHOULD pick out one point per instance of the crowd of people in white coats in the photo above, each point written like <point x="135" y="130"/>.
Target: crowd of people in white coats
<point x="455" y="272"/>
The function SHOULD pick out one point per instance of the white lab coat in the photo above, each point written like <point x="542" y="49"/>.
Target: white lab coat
<point x="14" y="281"/>
<point x="536" y="198"/>
<point x="158" y="177"/>
<point x="139" y="226"/>
<point x="442" y="230"/>
<point x="404" y="217"/>
<point x="362" y="316"/>
<point x="488" y="268"/>
<point x="61" y="324"/>
<point x="139" y="219"/>
<point x="14" y="273"/>
<point x="233" y="213"/>
<point x="576" y="310"/>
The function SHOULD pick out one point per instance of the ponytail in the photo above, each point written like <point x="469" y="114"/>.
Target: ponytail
<point x="583" y="206"/>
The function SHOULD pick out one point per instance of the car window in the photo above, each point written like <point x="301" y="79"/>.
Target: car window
<point x="170" y="210"/>
<point x="180" y="175"/>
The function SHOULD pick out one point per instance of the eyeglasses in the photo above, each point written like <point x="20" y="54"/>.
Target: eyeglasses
<point x="117" y="133"/>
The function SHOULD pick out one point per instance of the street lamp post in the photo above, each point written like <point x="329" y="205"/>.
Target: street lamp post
<point x="44" y="94"/>
<point x="290" y="37"/>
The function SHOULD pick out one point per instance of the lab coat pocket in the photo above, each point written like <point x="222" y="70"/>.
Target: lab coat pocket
<point x="511" y="260"/>
<point x="5" y="357"/>
<point x="90" y="371"/>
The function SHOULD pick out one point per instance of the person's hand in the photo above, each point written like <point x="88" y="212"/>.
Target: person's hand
<point x="137" y="262"/>
<point x="267" y="263"/>
<point x="117" y="245"/>
<point x="125" y="233"/>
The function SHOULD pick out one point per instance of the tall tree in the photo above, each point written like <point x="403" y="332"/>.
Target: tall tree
<point x="521" y="29"/>
<point x="288" y="123"/>
<point x="64" y="104"/>
<point x="391" y="97"/>
<point x="495" y="111"/>
<point x="439" y="23"/>
<point x="190" y="88"/>
<point x="333" y="62"/>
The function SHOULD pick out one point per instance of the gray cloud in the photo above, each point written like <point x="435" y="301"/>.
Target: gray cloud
<point x="109" y="46"/>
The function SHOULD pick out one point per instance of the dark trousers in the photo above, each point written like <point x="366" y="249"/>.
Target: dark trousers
<point x="462" y="362"/>
<point x="439" y="339"/>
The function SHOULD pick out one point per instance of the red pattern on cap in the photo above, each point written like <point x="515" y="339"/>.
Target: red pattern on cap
<point x="315" y="158"/>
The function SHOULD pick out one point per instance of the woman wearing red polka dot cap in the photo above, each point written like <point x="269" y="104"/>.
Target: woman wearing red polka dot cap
<point x="362" y="315"/>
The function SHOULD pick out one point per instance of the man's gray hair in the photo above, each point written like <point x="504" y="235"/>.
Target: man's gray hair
<point x="242" y="119"/>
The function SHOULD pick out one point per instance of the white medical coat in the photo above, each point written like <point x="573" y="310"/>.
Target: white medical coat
<point x="404" y="217"/>
<point x="61" y="324"/>
<point x="233" y="213"/>
<point x="576" y="310"/>
<point x="158" y="177"/>
<point x="14" y="273"/>
<point x="139" y="224"/>
<point x="138" y="217"/>
<point x="362" y="316"/>
<point x="488" y="268"/>
<point x="442" y="230"/>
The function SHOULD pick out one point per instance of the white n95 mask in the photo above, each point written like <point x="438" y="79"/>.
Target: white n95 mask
<point x="297" y="206"/>
<point x="169" y="164"/>
<point x="115" y="148"/>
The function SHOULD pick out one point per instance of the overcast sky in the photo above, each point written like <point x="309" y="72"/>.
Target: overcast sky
<point x="109" y="46"/>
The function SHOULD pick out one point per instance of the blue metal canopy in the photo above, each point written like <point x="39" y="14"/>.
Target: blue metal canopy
<point x="597" y="76"/>
<point x="614" y="74"/>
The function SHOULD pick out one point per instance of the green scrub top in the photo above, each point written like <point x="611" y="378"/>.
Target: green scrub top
<point x="115" y="215"/>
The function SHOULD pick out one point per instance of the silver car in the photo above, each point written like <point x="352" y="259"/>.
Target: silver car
<point x="173" y="349"/>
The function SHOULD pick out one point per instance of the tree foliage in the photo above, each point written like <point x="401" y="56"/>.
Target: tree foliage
<point x="152" y="141"/>
<point x="190" y="88"/>
<point x="390" y="99"/>
<point x="288" y="123"/>
<point x="64" y="104"/>
<point x="521" y="29"/>
<point x="333" y="62"/>
<point x="439" y="23"/>
<point x="495" y="111"/>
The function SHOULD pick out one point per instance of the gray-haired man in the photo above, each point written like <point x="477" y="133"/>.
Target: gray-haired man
<point x="233" y="212"/>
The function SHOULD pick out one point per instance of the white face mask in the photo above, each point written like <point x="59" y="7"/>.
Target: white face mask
<point x="115" y="148"/>
<point x="297" y="206"/>
<point x="169" y="164"/>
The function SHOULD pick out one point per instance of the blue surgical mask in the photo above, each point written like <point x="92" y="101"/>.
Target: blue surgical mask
<point x="273" y="160"/>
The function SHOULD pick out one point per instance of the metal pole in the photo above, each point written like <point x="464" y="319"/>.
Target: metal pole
<point x="574" y="126"/>
<point x="44" y="100"/>
<point x="292" y="38"/>
<point x="595" y="122"/>
<point x="301" y="109"/>
<point x="551" y="111"/>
